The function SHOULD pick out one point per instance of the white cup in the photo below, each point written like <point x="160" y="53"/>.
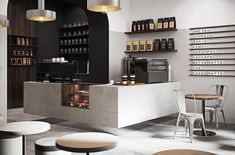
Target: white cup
<point x="111" y="82"/>
<point x="58" y="59"/>
<point x="62" y="59"/>
<point x="53" y="59"/>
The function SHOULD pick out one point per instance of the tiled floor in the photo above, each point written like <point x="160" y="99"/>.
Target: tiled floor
<point x="141" y="139"/>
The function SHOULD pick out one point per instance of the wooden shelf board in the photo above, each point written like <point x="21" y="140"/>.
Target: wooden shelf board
<point x="151" y="31"/>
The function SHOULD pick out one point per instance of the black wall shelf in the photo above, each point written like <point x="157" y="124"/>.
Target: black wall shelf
<point x="228" y="42"/>
<point x="74" y="44"/>
<point x="74" y="27"/>
<point x="222" y="70"/>
<point x="150" y="52"/>
<point x="151" y="31"/>
<point x="75" y="36"/>
<point x="74" y="53"/>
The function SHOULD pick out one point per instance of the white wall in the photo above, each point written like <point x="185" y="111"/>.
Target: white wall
<point x="3" y="65"/>
<point x="189" y="13"/>
<point x="118" y="23"/>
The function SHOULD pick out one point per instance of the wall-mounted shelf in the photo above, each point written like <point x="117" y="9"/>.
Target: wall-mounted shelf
<point x="151" y="31"/>
<point x="228" y="42"/>
<point x="219" y="37"/>
<point x="214" y="53"/>
<point x="212" y="32"/>
<point x="214" y="75"/>
<point x="207" y="27"/>
<point x="212" y="48"/>
<point x="212" y="64"/>
<point x="213" y="59"/>
<point x="74" y="27"/>
<point x="150" y="52"/>
<point x="74" y="53"/>
<point x="74" y="44"/>
<point x="74" y="36"/>
<point x="218" y="70"/>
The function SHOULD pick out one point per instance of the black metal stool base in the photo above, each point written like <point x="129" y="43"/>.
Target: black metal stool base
<point x="201" y="133"/>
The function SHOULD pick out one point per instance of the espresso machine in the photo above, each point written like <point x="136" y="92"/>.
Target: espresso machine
<point x="129" y="65"/>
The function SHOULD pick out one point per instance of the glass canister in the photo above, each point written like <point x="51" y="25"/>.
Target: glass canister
<point x="124" y="79"/>
<point x="132" y="79"/>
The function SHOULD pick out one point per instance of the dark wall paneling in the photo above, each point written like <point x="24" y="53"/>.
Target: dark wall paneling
<point x="18" y="74"/>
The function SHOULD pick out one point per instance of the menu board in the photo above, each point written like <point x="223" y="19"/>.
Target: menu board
<point x="212" y="51"/>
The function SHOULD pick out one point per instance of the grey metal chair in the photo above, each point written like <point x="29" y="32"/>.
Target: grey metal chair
<point x="188" y="117"/>
<point x="217" y="105"/>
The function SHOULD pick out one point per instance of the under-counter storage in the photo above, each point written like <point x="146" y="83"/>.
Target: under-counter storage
<point x="75" y="95"/>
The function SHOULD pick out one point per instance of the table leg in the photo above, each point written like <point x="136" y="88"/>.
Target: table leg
<point x="201" y="132"/>
<point x="87" y="153"/>
<point x="24" y="144"/>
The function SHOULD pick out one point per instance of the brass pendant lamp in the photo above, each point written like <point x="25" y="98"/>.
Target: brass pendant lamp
<point x="103" y="5"/>
<point x="4" y="22"/>
<point x="41" y="14"/>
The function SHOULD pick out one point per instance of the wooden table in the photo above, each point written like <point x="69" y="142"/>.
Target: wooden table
<point x="24" y="128"/>
<point x="203" y="98"/>
<point x="87" y="142"/>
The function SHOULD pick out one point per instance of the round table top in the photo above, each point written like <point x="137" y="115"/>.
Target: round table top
<point x="183" y="152"/>
<point x="26" y="127"/>
<point x="87" y="142"/>
<point x="204" y="97"/>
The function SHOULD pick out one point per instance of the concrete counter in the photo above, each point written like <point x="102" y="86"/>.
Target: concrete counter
<point x="110" y="105"/>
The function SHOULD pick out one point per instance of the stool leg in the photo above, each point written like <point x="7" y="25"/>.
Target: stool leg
<point x="24" y="144"/>
<point x="87" y="153"/>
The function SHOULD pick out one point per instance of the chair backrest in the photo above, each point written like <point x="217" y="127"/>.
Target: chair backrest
<point x="221" y="90"/>
<point x="180" y="100"/>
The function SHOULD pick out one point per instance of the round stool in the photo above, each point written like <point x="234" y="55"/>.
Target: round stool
<point x="183" y="152"/>
<point x="10" y="143"/>
<point x="46" y="146"/>
<point x="87" y="142"/>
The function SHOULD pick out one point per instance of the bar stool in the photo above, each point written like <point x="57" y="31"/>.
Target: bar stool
<point x="10" y="144"/>
<point x="46" y="146"/>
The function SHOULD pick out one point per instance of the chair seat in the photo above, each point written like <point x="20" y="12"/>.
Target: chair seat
<point x="213" y="107"/>
<point x="193" y="115"/>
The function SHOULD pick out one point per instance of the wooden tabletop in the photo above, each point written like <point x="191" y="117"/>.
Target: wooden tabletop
<point x="204" y="97"/>
<point x="87" y="142"/>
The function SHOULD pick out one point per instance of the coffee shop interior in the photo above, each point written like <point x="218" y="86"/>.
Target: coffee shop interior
<point x="110" y="76"/>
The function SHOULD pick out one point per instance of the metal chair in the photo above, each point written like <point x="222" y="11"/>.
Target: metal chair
<point x="217" y="105"/>
<point x="188" y="117"/>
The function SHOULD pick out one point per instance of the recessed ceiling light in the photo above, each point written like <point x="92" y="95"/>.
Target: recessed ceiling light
<point x="103" y="5"/>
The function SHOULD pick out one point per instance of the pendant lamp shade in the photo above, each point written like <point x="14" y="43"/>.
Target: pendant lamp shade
<point x="41" y="14"/>
<point x="103" y="5"/>
<point x="4" y="22"/>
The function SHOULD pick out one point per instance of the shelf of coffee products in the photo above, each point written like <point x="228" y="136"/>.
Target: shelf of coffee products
<point x="74" y="36"/>
<point x="21" y="56"/>
<point x="24" y="46"/>
<point x="209" y="32"/>
<point x="151" y="31"/>
<point x="74" y="27"/>
<point x="167" y="51"/>
<point x="77" y="105"/>
<point x="212" y="48"/>
<point x="212" y="27"/>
